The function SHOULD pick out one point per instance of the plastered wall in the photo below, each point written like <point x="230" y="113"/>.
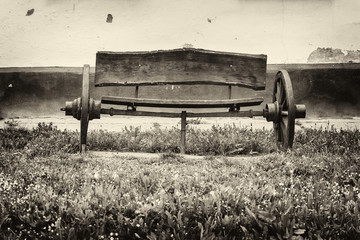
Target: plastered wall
<point x="69" y="32"/>
<point x="39" y="92"/>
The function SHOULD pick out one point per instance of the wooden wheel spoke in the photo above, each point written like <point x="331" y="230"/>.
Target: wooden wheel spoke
<point x="279" y="137"/>
<point x="278" y="91"/>
<point x="277" y="132"/>
<point x="284" y="132"/>
<point x="284" y="121"/>
<point x="282" y="95"/>
<point x="284" y="105"/>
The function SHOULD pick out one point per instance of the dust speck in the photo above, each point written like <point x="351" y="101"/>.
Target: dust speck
<point x="109" y="18"/>
<point x="30" y="12"/>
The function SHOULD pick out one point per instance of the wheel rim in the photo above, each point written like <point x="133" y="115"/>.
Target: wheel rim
<point x="84" y="107"/>
<point x="284" y="127"/>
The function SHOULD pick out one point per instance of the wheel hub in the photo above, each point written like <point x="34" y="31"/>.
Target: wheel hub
<point x="73" y="108"/>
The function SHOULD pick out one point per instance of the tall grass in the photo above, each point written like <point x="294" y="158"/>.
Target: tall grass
<point x="46" y="140"/>
<point x="312" y="192"/>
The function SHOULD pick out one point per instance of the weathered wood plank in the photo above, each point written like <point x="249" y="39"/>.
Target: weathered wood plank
<point x="143" y="102"/>
<point x="206" y="82"/>
<point x="180" y="66"/>
<point x="112" y="111"/>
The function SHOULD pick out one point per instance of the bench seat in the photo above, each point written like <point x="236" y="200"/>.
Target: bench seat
<point x="144" y="102"/>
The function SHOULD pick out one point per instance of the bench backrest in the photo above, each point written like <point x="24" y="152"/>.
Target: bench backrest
<point x="186" y="66"/>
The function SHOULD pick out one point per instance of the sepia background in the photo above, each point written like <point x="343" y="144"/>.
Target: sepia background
<point x="68" y="33"/>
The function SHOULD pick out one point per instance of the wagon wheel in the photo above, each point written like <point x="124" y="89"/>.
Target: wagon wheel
<point x="283" y="96"/>
<point x="84" y="122"/>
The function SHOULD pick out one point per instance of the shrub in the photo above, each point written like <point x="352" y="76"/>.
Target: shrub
<point x="230" y="140"/>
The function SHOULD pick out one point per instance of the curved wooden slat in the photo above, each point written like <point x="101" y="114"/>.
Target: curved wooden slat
<point x="112" y="111"/>
<point x="244" y="102"/>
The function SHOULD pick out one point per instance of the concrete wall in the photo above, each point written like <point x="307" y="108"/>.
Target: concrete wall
<point x="69" y="32"/>
<point x="327" y="90"/>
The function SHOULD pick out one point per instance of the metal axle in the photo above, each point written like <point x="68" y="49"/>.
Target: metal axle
<point x="272" y="112"/>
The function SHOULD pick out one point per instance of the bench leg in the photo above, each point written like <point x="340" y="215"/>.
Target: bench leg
<point x="183" y="132"/>
<point x="84" y="121"/>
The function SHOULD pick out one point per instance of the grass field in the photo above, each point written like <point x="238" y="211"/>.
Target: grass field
<point x="238" y="187"/>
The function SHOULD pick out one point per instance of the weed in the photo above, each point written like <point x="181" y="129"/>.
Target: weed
<point x="209" y="157"/>
<point x="171" y="157"/>
<point x="194" y="121"/>
<point x="311" y="192"/>
<point x="11" y="123"/>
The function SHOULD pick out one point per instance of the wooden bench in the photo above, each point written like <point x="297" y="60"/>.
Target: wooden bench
<point x="187" y="66"/>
